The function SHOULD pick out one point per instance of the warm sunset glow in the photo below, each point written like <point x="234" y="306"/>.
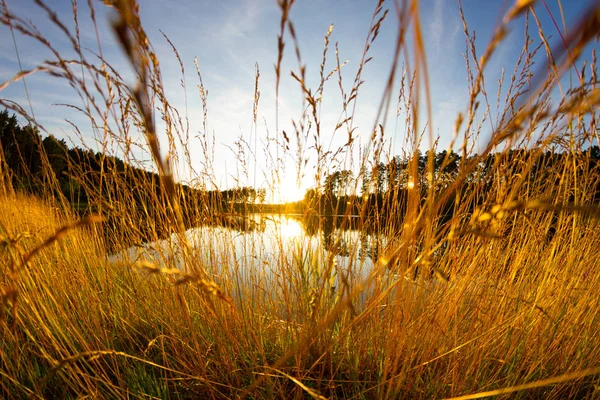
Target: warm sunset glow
<point x="352" y="198"/>
<point x="288" y="192"/>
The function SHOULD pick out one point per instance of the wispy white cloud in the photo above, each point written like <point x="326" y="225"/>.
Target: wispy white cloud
<point x="241" y="20"/>
<point x="436" y="25"/>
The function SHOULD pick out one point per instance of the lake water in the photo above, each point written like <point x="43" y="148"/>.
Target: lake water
<point x="261" y="246"/>
<point x="276" y="258"/>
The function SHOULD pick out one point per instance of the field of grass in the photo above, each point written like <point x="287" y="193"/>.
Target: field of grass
<point x="502" y="298"/>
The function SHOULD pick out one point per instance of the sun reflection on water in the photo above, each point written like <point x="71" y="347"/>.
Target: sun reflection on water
<point x="289" y="228"/>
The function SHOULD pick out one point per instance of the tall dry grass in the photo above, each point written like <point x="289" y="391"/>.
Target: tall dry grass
<point x="509" y="308"/>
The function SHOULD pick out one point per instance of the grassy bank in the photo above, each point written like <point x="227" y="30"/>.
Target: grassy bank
<point x="516" y="310"/>
<point x="489" y="281"/>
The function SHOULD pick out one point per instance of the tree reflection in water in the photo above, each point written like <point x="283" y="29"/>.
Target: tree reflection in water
<point x="341" y="234"/>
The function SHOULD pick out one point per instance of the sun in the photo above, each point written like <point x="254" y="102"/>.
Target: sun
<point x="288" y="192"/>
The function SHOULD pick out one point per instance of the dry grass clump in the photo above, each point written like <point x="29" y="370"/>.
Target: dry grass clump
<point x="75" y="323"/>
<point x="498" y="295"/>
<point x="22" y="214"/>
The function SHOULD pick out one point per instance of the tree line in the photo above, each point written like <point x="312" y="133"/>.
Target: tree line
<point x="90" y="181"/>
<point x="34" y="164"/>
<point x="381" y="191"/>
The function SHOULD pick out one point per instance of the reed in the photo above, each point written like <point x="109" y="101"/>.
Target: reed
<point x="486" y="281"/>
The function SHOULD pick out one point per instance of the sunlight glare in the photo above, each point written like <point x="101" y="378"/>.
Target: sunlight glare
<point x="288" y="192"/>
<point x="289" y="228"/>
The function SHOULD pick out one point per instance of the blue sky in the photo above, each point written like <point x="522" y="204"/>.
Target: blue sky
<point x="229" y="37"/>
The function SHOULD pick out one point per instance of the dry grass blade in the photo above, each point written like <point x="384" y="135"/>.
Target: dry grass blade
<point x="92" y="219"/>
<point x="91" y="355"/>
<point x="537" y="384"/>
<point x="312" y="393"/>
